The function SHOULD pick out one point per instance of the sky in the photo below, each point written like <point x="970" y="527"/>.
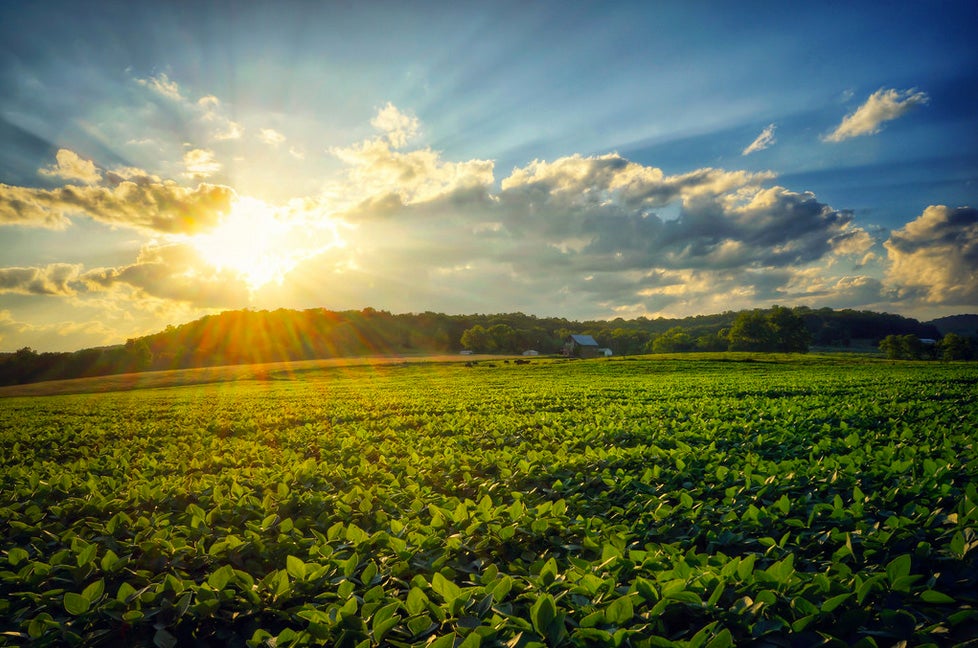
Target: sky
<point x="164" y="161"/>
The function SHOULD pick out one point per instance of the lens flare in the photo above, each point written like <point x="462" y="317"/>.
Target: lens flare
<point x="262" y="243"/>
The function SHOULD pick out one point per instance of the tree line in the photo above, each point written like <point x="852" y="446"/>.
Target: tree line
<point x="951" y="347"/>
<point x="250" y="336"/>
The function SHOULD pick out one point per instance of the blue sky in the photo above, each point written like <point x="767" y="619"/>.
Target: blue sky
<point x="162" y="161"/>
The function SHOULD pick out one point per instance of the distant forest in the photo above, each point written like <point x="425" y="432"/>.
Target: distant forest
<point x="247" y="336"/>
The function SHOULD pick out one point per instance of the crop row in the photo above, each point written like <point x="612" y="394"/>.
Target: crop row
<point x="590" y="503"/>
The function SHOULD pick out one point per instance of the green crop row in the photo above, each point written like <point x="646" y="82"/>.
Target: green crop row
<point x="597" y="503"/>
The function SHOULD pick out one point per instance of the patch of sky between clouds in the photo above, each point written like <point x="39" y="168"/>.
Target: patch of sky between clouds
<point x="670" y="212"/>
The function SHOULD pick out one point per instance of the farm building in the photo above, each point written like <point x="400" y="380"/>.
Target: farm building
<point x="581" y="346"/>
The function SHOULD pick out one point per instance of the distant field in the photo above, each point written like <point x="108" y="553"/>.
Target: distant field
<point x="201" y="375"/>
<point x="658" y="501"/>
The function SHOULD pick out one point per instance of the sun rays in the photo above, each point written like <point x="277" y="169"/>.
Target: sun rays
<point x="262" y="243"/>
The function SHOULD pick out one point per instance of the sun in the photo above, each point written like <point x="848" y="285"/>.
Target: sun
<point x="261" y="243"/>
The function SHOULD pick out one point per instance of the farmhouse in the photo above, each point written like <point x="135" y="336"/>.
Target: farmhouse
<point x="581" y="346"/>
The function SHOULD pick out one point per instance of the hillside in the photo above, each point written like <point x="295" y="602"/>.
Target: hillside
<point x="246" y="337"/>
<point x="964" y="325"/>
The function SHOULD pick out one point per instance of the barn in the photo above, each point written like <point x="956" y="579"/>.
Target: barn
<point x="581" y="346"/>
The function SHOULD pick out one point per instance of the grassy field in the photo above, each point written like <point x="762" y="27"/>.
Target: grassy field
<point x="692" y="501"/>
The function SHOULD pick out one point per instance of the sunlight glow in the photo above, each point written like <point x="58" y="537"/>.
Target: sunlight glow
<point x="262" y="243"/>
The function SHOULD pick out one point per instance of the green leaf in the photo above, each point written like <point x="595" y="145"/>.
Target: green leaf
<point x="368" y="573"/>
<point x="502" y="588"/>
<point x="355" y="535"/>
<point x="864" y="590"/>
<point x="782" y="570"/>
<point x="16" y="556"/>
<point x="593" y="619"/>
<point x="898" y="568"/>
<point x="76" y="604"/>
<point x="723" y="639"/>
<point x="94" y="590"/>
<point x="295" y="567"/>
<point x="383" y="620"/>
<point x="220" y="577"/>
<point x="620" y="611"/>
<point x="421" y="625"/>
<point x="548" y="573"/>
<point x="416" y="601"/>
<point x="38" y="625"/>
<point x="933" y="596"/>
<point x="473" y="640"/>
<point x="831" y="603"/>
<point x="446" y="641"/>
<point x="746" y="567"/>
<point x="87" y="555"/>
<point x="958" y="545"/>
<point x="125" y="592"/>
<point x="542" y="613"/>
<point x="350" y="608"/>
<point x="646" y="590"/>
<point x="110" y="561"/>
<point x="445" y="588"/>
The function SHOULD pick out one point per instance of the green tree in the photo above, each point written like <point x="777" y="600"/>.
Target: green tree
<point x="913" y="348"/>
<point x="902" y="347"/>
<point x="626" y="341"/>
<point x="954" y="347"/>
<point x="790" y="333"/>
<point x="752" y="331"/>
<point x="891" y="347"/>
<point x="502" y="338"/>
<point x="138" y="355"/>
<point x="675" y="340"/>
<point x="476" y="339"/>
<point x="717" y="342"/>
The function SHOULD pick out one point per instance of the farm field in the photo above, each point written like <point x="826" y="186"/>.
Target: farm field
<point x="707" y="501"/>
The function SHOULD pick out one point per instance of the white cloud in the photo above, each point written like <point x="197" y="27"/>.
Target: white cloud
<point x="173" y="272"/>
<point x="271" y="136"/>
<point x="398" y="127"/>
<point x="54" y="279"/>
<point x="200" y="163"/>
<point x="379" y="174"/>
<point x="882" y="106"/>
<point x="934" y="258"/>
<point x="232" y="130"/>
<point x="581" y="235"/>
<point x="574" y="234"/>
<point x="162" y="85"/>
<point x="207" y="114"/>
<point x="765" y="140"/>
<point x="126" y="197"/>
<point x="70" y="166"/>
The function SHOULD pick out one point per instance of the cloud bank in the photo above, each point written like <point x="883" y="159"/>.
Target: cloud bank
<point x="123" y="197"/>
<point x="406" y="229"/>
<point x="52" y="280"/>
<point x="934" y="258"/>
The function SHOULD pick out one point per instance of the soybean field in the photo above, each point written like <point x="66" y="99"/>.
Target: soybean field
<point x="696" y="501"/>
